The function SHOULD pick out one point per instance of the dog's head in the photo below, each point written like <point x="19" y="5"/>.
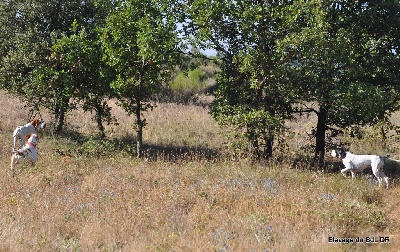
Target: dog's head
<point x="32" y="138"/>
<point x="35" y="122"/>
<point x="339" y="152"/>
<point x="38" y="123"/>
<point x="42" y="125"/>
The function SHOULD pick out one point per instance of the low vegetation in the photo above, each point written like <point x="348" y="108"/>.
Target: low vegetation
<point x="187" y="193"/>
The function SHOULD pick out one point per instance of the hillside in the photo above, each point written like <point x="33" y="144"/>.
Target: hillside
<point x="187" y="194"/>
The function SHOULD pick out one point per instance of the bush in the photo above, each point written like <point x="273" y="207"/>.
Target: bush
<point x="185" y="86"/>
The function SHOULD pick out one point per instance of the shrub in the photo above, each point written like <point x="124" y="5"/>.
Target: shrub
<point x="186" y="85"/>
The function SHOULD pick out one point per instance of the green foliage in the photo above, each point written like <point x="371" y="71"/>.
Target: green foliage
<point x="140" y="42"/>
<point x="32" y="29"/>
<point x="190" y="82"/>
<point x="250" y="95"/>
<point x="337" y="61"/>
<point x="93" y="147"/>
<point x="185" y="85"/>
<point x="52" y="60"/>
<point x="75" y="73"/>
<point x="297" y="56"/>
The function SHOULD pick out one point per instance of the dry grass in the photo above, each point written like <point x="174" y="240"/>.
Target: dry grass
<point x="181" y="197"/>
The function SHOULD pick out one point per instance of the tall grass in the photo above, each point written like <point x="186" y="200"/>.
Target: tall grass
<point x="186" y="195"/>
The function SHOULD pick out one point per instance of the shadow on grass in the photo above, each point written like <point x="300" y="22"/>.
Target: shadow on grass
<point x="96" y="146"/>
<point x="71" y="135"/>
<point x="167" y="152"/>
<point x="66" y="134"/>
<point x="174" y="153"/>
<point x="306" y="162"/>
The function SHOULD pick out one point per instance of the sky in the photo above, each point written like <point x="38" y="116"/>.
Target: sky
<point x="209" y="52"/>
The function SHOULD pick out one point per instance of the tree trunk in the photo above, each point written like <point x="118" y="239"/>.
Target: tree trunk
<point x="60" y="111"/>
<point x="320" y="137"/>
<point x="254" y="148"/>
<point x="268" y="147"/>
<point x="59" y="120"/>
<point x="139" y="121"/>
<point x="99" y="120"/>
<point x="139" y="131"/>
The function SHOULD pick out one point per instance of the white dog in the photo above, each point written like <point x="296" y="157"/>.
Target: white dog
<point x="29" y="150"/>
<point x="356" y="163"/>
<point x="30" y="128"/>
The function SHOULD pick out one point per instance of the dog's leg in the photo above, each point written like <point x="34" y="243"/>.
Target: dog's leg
<point x="387" y="181"/>
<point x="353" y="174"/>
<point x="345" y="171"/>
<point x="377" y="169"/>
<point x="383" y="175"/>
<point x="377" y="174"/>
<point x="23" y="141"/>
<point x="386" y="178"/>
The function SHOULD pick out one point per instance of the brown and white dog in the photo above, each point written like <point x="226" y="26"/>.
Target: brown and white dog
<point x="30" y="128"/>
<point x="29" y="150"/>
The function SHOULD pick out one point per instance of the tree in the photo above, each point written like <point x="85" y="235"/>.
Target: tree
<point x="343" y="62"/>
<point x="75" y="73"/>
<point x="250" y="96"/>
<point x="141" y="43"/>
<point x="29" y="56"/>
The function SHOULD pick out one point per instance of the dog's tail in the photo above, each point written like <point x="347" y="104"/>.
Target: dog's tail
<point x="12" y="163"/>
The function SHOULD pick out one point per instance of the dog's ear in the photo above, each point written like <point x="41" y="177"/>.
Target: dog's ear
<point x="35" y="122"/>
<point x="343" y="151"/>
<point x="27" y="137"/>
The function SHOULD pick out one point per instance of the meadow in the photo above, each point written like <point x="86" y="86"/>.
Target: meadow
<point x="189" y="193"/>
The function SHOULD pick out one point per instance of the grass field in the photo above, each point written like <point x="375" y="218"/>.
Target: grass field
<point x="187" y="194"/>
